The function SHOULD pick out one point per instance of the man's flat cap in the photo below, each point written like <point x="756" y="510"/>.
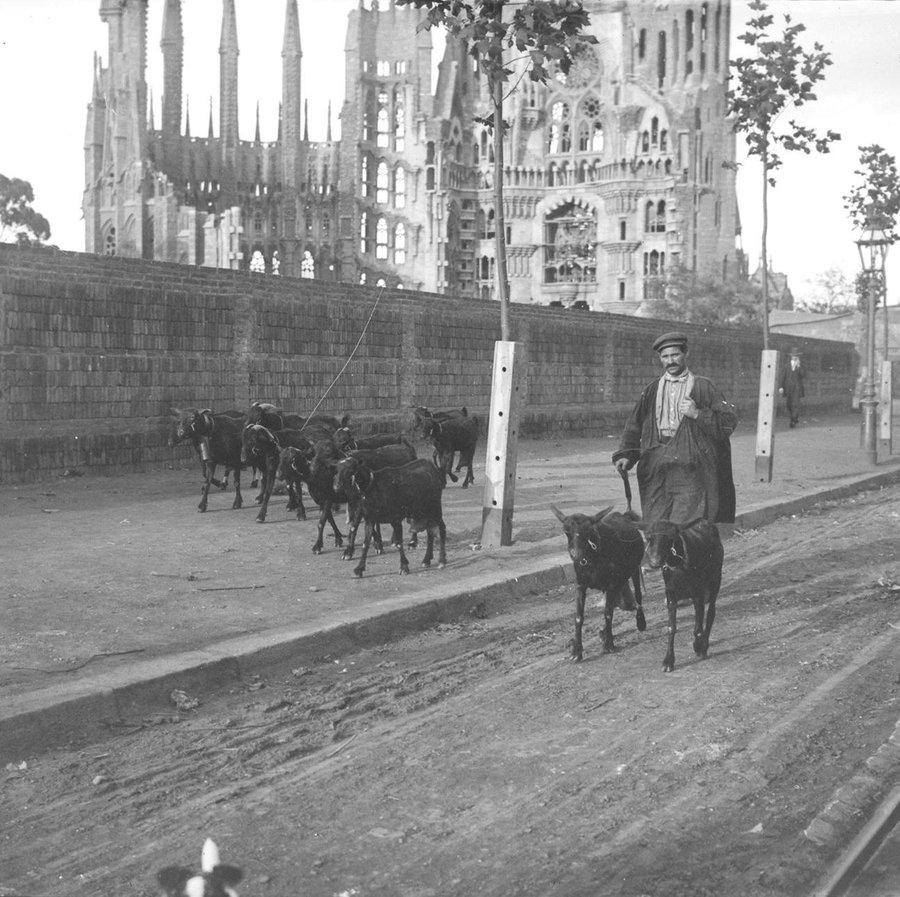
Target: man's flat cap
<point x="670" y="339"/>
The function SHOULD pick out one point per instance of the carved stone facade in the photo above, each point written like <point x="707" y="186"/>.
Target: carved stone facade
<point x="612" y="174"/>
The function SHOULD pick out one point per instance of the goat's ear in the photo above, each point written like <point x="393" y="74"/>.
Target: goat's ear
<point x="173" y="877"/>
<point x="345" y="420"/>
<point x="227" y="875"/>
<point x="596" y="518"/>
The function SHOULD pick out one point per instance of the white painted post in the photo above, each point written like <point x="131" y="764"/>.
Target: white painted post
<point x="886" y="406"/>
<point x="765" y="421"/>
<point x="502" y="445"/>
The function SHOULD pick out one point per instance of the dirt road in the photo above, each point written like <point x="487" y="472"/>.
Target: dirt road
<point x="475" y="758"/>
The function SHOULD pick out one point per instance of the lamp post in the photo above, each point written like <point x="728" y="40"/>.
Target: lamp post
<point x="872" y="245"/>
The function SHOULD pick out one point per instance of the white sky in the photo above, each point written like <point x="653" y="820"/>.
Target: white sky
<point x="46" y="60"/>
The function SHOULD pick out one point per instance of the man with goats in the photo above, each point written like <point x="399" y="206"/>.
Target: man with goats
<point x="678" y="435"/>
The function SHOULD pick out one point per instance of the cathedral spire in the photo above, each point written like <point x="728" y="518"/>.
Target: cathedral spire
<point x="290" y="120"/>
<point x="151" y="124"/>
<point x="172" y="45"/>
<point x="328" y="134"/>
<point x="306" y="121"/>
<point x="256" y="137"/>
<point x="228" y="78"/>
<point x="187" y="118"/>
<point x="210" y="135"/>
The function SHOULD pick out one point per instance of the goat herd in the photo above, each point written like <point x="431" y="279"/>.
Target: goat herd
<point x="381" y="481"/>
<point x="379" y="478"/>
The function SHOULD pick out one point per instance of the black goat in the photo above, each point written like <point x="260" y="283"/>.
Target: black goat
<point x="217" y="440"/>
<point x="214" y="879"/>
<point x="450" y="434"/>
<point x="347" y="441"/>
<point x="393" y="494"/>
<point x="177" y="436"/>
<point x="262" y="448"/>
<point x="269" y="415"/>
<point x="691" y="558"/>
<point x="606" y="551"/>
<point x="315" y="467"/>
<point x="394" y="455"/>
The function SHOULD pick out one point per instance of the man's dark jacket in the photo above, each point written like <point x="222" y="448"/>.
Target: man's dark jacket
<point x="703" y="442"/>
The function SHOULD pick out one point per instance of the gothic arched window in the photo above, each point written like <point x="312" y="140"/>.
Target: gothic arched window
<point x="400" y="244"/>
<point x="382" y="120"/>
<point x="399" y="121"/>
<point x="382" y="182"/>
<point x="399" y="187"/>
<point x="381" y="238"/>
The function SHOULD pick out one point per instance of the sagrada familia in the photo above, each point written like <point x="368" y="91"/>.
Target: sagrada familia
<point x="613" y="173"/>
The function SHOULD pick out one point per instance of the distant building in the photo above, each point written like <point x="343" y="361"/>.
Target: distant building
<point x="612" y="173"/>
<point x="780" y="295"/>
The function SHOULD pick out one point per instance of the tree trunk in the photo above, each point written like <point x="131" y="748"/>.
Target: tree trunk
<point x="765" y="260"/>
<point x="499" y="218"/>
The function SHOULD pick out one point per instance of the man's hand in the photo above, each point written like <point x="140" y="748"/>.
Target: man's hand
<point x="621" y="464"/>
<point x="688" y="408"/>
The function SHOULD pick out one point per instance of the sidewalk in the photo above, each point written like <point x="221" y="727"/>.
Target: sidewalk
<point x="316" y="608"/>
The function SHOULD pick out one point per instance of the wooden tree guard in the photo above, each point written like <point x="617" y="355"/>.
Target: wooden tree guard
<point x="886" y="407"/>
<point x="765" y="421"/>
<point x="502" y="445"/>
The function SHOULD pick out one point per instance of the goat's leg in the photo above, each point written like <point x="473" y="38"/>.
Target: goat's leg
<point x="204" y="496"/>
<point x="639" y="617"/>
<point x="266" y="493"/>
<point x="699" y="620"/>
<point x="325" y="516"/>
<point x="429" y="545"/>
<point x="703" y="648"/>
<point x="404" y="561"/>
<point x="238" y="498"/>
<point x="442" y="544"/>
<point x="672" y="608"/>
<point x="360" y="568"/>
<point x="577" y="650"/>
<point x="354" y="516"/>
<point x="467" y="463"/>
<point x="609" y="607"/>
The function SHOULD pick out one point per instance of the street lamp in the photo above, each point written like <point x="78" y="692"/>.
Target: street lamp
<point x="873" y="246"/>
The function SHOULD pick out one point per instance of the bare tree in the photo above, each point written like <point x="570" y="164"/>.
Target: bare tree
<point x="779" y="76"/>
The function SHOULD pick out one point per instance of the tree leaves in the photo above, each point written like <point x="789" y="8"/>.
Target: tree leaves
<point x="878" y="195"/>
<point x="548" y="32"/>
<point x="17" y="218"/>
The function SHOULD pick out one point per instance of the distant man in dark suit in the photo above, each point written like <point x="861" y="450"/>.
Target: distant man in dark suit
<point x="792" y="387"/>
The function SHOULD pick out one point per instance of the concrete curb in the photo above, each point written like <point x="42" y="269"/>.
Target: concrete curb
<point x="91" y="708"/>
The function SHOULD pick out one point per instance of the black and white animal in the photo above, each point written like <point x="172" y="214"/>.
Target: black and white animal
<point x="217" y="440"/>
<point x="394" y="494"/>
<point x="606" y="550"/>
<point x="690" y="556"/>
<point x="214" y="879"/>
<point x="450" y="432"/>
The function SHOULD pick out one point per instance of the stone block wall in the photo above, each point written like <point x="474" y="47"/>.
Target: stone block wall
<point x="95" y="352"/>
